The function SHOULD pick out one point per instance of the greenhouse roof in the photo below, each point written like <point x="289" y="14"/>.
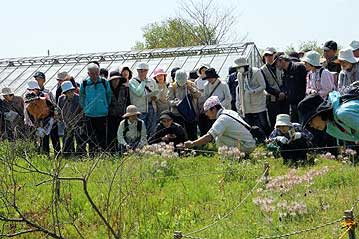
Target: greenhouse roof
<point x="15" y="72"/>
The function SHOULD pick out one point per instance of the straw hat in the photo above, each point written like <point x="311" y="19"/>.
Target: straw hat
<point x="130" y="111"/>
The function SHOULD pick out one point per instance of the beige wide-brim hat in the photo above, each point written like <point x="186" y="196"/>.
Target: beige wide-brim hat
<point x="239" y="62"/>
<point x="283" y="120"/>
<point x="6" y="91"/>
<point x="130" y="111"/>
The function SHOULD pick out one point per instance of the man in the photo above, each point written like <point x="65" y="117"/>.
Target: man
<point x="227" y="130"/>
<point x="13" y="107"/>
<point x="167" y="131"/>
<point x="251" y="100"/>
<point x="354" y="45"/>
<point x="71" y="116"/>
<point x="95" y="98"/>
<point x="131" y="133"/>
<point x="275" y="97"/>
<point x="294" y="83"/>
<point x="43" y="92"/>
<point x="143" y="94"/>
<point x="39" y="114"/>
<point x="214" y="87"/>
<point x="330" y="51"/>
<point x="41" y="78"/>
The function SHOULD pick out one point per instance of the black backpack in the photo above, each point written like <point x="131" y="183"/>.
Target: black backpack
<point x="139" y="129"/>
<point x="103" y="81"/>
<point x="350" y="92"/>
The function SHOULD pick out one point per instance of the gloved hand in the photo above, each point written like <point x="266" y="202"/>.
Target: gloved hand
<point x="40" y="132"/>
<point x="282" y="139"/>
<point x="297" y="135"/>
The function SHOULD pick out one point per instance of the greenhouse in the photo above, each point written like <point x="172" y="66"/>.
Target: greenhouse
<point x="15" y="72"/>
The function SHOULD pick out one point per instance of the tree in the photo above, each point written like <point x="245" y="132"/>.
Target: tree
<point x="169" y="33"/>
<point x="306" y="46"/>
<point x="212" y="23"/>
<point x="198" y="23"/>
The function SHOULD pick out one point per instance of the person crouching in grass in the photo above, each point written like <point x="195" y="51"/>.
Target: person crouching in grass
<point x="293" y="141"/>
<point x="131" y="133"/>
<point x="167" y="131"/>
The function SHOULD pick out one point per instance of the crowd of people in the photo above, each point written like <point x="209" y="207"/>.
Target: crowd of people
<point x="294" y="101"/>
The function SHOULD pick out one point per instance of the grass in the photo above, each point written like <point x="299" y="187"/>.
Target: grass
<point x="152" y="197"/>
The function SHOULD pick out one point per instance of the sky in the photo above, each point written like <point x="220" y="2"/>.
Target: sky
<point x="30" y="28"/>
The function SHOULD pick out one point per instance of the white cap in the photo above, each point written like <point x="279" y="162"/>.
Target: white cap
<point x="354" y="45"/>
<point x="33" y="85"/>
<point x="270" y="51"/>
<point x="66" y="86"/>
<point x="142" y="66"/>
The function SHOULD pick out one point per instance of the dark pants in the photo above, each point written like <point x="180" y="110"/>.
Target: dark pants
<point x="112" y="128"/>
<point x="96" y="134"/>
<point x="190" y="127"/>
<point x="258" y="119"/>
<point x="296" y="154"/>
<point x="55" y="139"/>
<point x="293" y="112"/>
<point x="69" y="142"/>
<point x="322" y="139"/>
<point x="276" y="108"/>
<point x="204" y="124"/>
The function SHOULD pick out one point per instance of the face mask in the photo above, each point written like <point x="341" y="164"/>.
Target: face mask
<point x="241" y="70"/>
<point x="181" y="82"/>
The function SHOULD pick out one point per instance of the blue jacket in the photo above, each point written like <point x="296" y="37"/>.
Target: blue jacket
<point x="95" y="99"/>
<point x="346" y="119"/>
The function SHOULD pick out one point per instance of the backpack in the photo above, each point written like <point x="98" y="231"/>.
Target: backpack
<point x="256" y="132"/>
<point x="349" y="93"/>
<point x="103" y="81"/>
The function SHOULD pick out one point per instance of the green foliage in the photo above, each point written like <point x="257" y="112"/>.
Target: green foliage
<point x="151" y="197"/>
<point x="305" y="46"/>
<point x="174" y="32"/>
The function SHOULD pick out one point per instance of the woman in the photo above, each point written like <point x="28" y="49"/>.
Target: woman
<point x="131" y="133"/>
<point x="162" y="100"/>
<point x="289" y="137"/>
<point x="183" y="89"/>
<point x="119" y="101"/>
<point x="338" y="117"/>
<point x="350" y="69"/>
<point x="126" y="72"/>
<point x="319" y="79"/>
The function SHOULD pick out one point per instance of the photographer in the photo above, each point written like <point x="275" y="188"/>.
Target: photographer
<point x="119" y="101"/>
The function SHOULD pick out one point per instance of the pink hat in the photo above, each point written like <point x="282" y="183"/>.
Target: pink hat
<point x="159" y="71"/>
<point x="211" y="102"/>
